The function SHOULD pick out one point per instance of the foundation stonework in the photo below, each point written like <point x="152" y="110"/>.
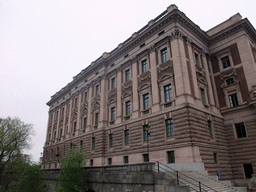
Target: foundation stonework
<point x="193" y="91"/>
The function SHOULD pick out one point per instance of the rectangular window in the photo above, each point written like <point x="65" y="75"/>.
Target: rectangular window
<point x="164" y="55"/>
<point x="57" y="113"/>
<point x="113" y="83"/>
<point x="109" y="161"/>
<point x="225" y="62"/>
<point x="62" y="112"/>
<point x="233" y="100"/>
<point x="126" y="137"/>
<point x="169" y="127"/>
<point x="85" y="96"/>
<point x="60" y="133"/>
<point x="96" y="119"/>
<point x="240" y="130"/>
<point x="85" y="122"/>
<point x="171" y="156"/>
<point x="93" y="143"/>
<point x="97" y="90"/>
<point x="74" y="127"/>
<point x="248" y="171"/>
<point x="146" y="133"/>
<point x="128" y="108"/>
<point x="81" y="144"/>
<point x="215" y="158"/>
<point x="49" y="136"/>
<point x="110" y="140"/>
<point x="91" y="162"/>
<point x="203" y="95"/>
<point x="210" y="128"/>
<point x="113" y="113"/>
<point x="197" y="59"/>
<point x="144" y="66"/>
<point x="168" y="93"/>
<point x="54" y="135"/>
<point x="146" y="101"/>
<point x="75" y="102"/>
<point x="127" y="75"/>
<point x="126" y="160"/>
<point x="145" y="158"/>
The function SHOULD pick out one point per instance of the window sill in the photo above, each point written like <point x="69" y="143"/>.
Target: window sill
<point x="127" y="117"/>
<point x="146" y="111"/>
<point x="168" y="104"/>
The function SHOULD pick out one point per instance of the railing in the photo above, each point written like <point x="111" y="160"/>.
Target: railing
<point x="182" y="178"/>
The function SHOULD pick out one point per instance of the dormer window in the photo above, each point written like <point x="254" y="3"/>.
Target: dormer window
<point x="225" y="62"/>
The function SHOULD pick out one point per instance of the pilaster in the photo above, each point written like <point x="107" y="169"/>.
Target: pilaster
<point x="119" y="95"/>
<point x="154" y="81"/>
<point x="135" y="97"/>
<point x="103" y="108"/>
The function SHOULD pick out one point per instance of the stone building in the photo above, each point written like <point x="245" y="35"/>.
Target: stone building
<point x="171" y="93"/>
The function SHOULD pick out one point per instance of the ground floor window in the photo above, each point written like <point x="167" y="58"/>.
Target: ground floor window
<point x="170" y="156"/>
<point x="248" y="171"/>
<point x="109" y="161"/>
<point x="126" y="160"/>
<point x="145" y="158"/>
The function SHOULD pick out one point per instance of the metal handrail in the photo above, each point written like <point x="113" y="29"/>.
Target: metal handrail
<point x="184" y="177"/>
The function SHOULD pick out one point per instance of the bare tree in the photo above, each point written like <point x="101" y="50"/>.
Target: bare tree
<point x="14" y="137"/>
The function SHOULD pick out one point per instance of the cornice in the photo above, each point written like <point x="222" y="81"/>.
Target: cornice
<point x="244" y="24"/>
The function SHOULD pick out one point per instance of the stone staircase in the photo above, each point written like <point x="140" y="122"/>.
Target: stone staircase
<point x="208" y="183"/>
<point x="197" y="180"/>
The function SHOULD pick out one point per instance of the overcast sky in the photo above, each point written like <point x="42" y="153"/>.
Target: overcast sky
<point x="44" y="43"/>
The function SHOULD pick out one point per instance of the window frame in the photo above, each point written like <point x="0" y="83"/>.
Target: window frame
<point x="110" y="140"/>
<point x="169" y="126"/>
<point x="223" y="54"/>
<point x="112" y="114"/>
<point x="146" y="101"/>
<point x="170" y="159"/>
<point x="244" y="134"/>
<point x="164" y="55"/>
<point x="112" y="83"/>
<point x="93" y="144"/>
<point x="126" y="137"/>
<point x="167" y="91"/>
<point x="144" y="66"/>
<point x="127" y="76"/>
<point x="146" y="135"/>
<point x="97" y="90"/>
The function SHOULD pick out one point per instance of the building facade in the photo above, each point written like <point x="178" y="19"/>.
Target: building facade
<point x="171" y="93"/>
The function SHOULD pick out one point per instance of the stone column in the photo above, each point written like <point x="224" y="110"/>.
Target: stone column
<point x="135" y="97"/>
<point x="69" y="119"/>
<point x="119" y="97"/>
<point x="154" y="81"/>
<point x="57" y="128"/>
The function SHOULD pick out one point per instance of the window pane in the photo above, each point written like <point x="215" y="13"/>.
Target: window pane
<point x="127" y="108"/>
<point x="145" y="133"/>
<point x="240" y="130"/>
<point x="127" y="75"/>
<point x="110" y="140"/>
<point x="74" y="127"/>
<point x="85" y="122"/>
<point x="164" y="55"/>
<point x="144" y="66"/>
<point x="93" y="143"/>
<point x="145" y="158"/>
<point x="85" y="96"/>
<point x="126" y="137"/>
<point x="233" y="100"/>
<point x="225" y="62"/>
<point x="169" y="127"/>
<point x="171" y="157"/>
<point x="168" y="93"/>
<point x="146" y="101"/>
<point x="96" y="119"/>
<point x="126" y="160"/>
<point x="97" y="90"/>
<point x="113" y="83"/>
<point x="113" y="113"/>
<point x="197" y="59"/>
<point x="203" y="95"/>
